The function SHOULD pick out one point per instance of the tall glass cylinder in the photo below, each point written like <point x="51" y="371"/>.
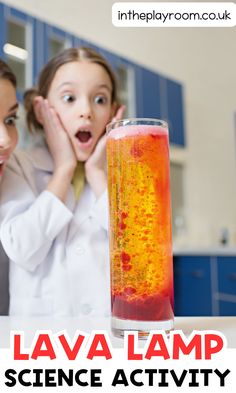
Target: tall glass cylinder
<point x="140" y="226"/>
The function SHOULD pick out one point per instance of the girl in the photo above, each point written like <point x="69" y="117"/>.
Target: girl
<point x="55" y="227"/>
<point x="8" y="141"/>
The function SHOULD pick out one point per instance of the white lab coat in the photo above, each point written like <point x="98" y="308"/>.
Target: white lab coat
<point x="59" y="264"/>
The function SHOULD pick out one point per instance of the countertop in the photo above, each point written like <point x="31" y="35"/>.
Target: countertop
<point x="207" y="251"/>
<point x="225" y="325"/>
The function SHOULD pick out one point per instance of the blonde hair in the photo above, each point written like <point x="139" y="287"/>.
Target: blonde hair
<point x="48" y="73"/>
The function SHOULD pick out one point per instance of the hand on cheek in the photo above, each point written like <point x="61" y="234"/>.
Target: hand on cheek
<point x="56" y="137"/>
<point x="95" y="168"/>
<point x="119" y="113"/>
<point x="96" y="163"/>
<point x="97" y="159"/>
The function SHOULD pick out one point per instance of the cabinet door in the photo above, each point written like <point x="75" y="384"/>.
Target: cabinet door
<point x="55" y="41"/>
<point x="126" y="76"/>
<point x="227" y="274"/>
<point x="175" y="111"/>
<point x="227" y="308"/>
<point x="148" y="101"/>
<point x="226" y="269"/>
<point x="39" y="53"/>
<point x="18" y="35"/>
<point x="192" y="286"/>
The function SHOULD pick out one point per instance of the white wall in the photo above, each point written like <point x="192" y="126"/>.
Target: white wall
<point x="204" y="59"/>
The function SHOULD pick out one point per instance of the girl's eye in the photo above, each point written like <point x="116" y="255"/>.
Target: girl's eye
<point x="100" y="100"/>
<point x="11" y="120"/>
<point x="68" y="98"/>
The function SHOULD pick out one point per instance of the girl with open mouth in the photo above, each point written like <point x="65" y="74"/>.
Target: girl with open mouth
<point x="56" y="231"/>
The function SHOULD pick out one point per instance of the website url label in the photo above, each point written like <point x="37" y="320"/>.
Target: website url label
<point x="174" y="14"/>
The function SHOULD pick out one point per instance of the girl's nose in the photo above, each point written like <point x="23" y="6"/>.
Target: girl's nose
<point x="85" y="110"/>
<point x="5" y="140"/>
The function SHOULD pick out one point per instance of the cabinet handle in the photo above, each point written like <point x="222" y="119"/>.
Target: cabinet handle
<point x="197" y="274"/>
<point x="232" y="276"/>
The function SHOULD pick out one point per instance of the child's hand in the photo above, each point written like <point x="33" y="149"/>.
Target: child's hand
<point x="96" y="164"/>
<point x="97" y="160"/>
<point x="119" y="113"/>
<point x="95" y="168"/>
<point x="57" y="139"/>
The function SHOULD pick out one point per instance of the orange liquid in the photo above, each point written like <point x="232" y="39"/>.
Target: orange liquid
<point x="140" y="224"/>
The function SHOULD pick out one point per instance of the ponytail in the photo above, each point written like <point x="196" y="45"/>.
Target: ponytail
<point x="31" y="119"/>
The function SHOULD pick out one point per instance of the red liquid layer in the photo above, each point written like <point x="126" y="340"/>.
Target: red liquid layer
<point x="151" y="308"/>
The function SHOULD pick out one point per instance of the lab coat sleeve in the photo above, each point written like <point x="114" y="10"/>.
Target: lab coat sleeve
<point x="100" y="211"/>
<point x="29" y="224"/>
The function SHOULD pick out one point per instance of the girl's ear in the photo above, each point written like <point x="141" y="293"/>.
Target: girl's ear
<point x="37" y="103"/>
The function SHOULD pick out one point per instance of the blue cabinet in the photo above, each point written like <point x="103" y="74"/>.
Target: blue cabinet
<point x="227" y="275"/>
<point x="160" y="97"/>
<point x="226" y="270"/>
<point x="55" y="41"/>
<point x="192" y="286"/>
<point x="17" y="49"/>
<point x="205" y="285"/>
<point x="227" y="308"/>
<point x="173" y="91"/>
<point x="148" y="99"/>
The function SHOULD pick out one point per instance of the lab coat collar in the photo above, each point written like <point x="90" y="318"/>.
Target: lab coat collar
<point x="41" y="159"/>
